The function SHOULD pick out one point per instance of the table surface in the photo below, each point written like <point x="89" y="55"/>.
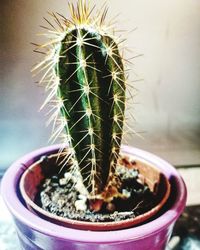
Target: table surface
<point x="186" y="235"/>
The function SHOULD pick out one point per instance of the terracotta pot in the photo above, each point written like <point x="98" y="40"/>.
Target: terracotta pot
<point x="36" y="232"/>
<point x="157" y="182"/>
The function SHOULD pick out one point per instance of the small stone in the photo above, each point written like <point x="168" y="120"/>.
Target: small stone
<point x="80" y="205"/>
<point x="68" y="176"/>
<point x="133" y="173"/>
<point x="63" y="181"/>
<point x="126" y="193"/>
<point x="80" y="188"/>
<point x="55" y="184"/>
<point x="82" y="197"/>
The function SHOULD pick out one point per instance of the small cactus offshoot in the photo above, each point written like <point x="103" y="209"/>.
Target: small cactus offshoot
<point x="85" y="77"/>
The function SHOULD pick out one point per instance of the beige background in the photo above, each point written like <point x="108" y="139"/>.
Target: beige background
<point x="168" y="100"/>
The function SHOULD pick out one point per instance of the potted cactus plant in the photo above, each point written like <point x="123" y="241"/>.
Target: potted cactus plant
<point x="125" y="197"/>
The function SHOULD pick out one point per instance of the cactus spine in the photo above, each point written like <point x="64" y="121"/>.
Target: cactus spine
<point x="89" y="82"/>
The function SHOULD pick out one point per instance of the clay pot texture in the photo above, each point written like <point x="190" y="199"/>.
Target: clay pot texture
<point x="37" y="233"/>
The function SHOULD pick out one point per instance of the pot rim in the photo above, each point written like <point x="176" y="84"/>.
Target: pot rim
<point x="10" y="184"/>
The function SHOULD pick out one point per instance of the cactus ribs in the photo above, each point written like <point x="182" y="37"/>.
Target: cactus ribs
<point x="84" y="73"/>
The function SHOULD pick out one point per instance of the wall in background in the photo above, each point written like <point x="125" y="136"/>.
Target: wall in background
<point x="168" y="100"/>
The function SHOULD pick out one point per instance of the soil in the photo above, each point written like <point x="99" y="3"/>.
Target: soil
<point x="59" y="195"/>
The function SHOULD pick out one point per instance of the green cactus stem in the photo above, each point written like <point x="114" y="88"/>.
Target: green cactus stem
<point x="92" y="87"/>
<point x="89" y="81"/>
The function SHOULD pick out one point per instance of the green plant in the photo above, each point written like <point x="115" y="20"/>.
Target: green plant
<point x="84" y="70"/>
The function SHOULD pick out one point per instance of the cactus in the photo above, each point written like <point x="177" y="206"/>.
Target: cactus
<point x="84" y="70"/>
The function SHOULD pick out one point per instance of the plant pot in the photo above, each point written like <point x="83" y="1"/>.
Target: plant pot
<point x="37" y="233"/>
<point x="149" y="175"/>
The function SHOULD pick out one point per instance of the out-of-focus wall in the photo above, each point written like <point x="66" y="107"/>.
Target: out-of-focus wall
<point x="168" y="100"/>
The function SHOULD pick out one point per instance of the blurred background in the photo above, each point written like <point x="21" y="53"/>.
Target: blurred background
<point x="167" y="109"/>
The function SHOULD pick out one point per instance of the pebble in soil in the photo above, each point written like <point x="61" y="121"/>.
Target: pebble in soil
<point x="62" y="195"/>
